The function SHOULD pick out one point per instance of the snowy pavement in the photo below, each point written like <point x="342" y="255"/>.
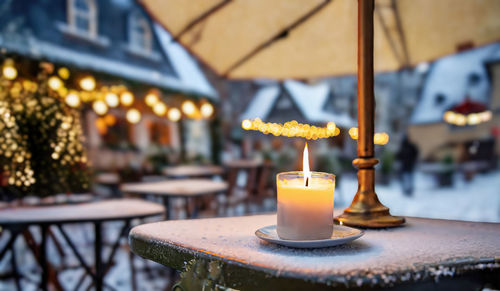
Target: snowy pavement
<point x="478" y="200"/>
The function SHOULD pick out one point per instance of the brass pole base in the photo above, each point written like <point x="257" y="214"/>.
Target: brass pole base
<point x="366" y="211"/>
<point x="369" y="220"/>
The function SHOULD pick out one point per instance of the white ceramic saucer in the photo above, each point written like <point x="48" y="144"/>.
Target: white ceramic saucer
<point x="341" y="235"/>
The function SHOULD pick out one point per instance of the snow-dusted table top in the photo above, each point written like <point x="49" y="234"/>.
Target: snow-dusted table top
<point x="108" y="178"/>
<point x="423" y="249"/>
<point x="178" y="188"/>
<point x="84" y="212"/>
<point x="243" y="164"/>
<point x="193" y="171"/>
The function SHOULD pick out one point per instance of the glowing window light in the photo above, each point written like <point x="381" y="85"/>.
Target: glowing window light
<point x="101" y="126"/>
<point x="133" y="116"/>
<point x="160" y="108"/>
<point x="100" y="107"/>
<point x="206" y="110"/>
<point x="188" y="107"/>
<point x="126" y="98"/>
<point x="112" y="99"/>
<point x="87" y="83"/>
<point x="73" y="100"/>
<point x="174" y="114"/>
<point x="151" y="99"/>
<point x="110" y="119"/>
<point x="55" y="83"/>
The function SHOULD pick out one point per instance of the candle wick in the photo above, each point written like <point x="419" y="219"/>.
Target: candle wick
<point x="307" y="181"/>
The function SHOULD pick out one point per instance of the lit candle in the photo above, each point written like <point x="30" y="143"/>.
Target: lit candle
<point x="305" y="203"/>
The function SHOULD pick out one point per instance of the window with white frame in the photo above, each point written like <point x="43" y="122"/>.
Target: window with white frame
<point x="82" y="16"/>
<point x="139" y="31"/>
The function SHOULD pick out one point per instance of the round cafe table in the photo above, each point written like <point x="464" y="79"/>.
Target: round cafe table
<point x="18" y="219"/>
<point x="193" y="171"/>
<point x="179" y="188"/>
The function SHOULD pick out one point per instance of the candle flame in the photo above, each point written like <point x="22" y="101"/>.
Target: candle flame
<point x="305" y="167"/>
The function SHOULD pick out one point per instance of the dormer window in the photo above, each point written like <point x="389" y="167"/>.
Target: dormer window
<point x="140" y="35"/>
<point x="82" y="16"/>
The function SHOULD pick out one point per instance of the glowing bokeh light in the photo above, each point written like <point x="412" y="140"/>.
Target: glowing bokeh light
<point x="174" y="114"/>
<point x="112" y="99"/>
<point x="87" y="83"/>
<point x="126" y="98"/>
<point x="133" y="116"/>
<point x="100" y="107"/>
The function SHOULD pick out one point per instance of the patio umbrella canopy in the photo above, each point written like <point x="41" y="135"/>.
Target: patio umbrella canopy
<point x="283" y="39"/>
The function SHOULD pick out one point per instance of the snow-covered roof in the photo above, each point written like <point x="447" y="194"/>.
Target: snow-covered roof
<point x="190" y="78"/>
<point x="262" y="103"/>
<point x="449" y="77"/>
<point x="310" y="99"/>
<point x="95" y="63"/>
<point x="186" y="67"/>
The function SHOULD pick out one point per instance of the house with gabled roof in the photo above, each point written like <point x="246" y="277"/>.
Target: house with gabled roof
<point x="473" y="74"/>
<point x="294" y="100"/>
<point x="119" y="44"/>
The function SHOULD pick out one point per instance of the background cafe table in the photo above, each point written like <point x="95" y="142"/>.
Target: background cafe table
<point x="18" y="219"/>
<point x="453" y="254"/>
<point x="183" y="188"/>
<point x="190" y="171"/>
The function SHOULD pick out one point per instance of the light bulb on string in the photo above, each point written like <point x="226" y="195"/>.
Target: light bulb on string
<point x="174" y="114"/>
<point x="100" y="107"/>
<point x="160" y="108"/>
<point x="151" y="99"/>
<point x="87" y="83"/>
<point x="188" y="107"/>
<point x="63" y="72"/>
<point x="8" y="70"/>
<point x="133" y="116"/>
<point x="126" y="98"/>
<point x="206" y="110"/>
<point x="72" y="99"/>
<point x="55" y="83"/>
<point x="112" y="99"/>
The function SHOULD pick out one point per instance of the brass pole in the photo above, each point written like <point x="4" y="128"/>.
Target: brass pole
<point x="366" y="210"/>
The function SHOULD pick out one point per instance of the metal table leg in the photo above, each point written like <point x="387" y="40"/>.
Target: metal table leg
<point x="43" y="259"/>
<point x="168" y="207"/>
<point x="98" y="256"/>
<point x="15" y="271"/>
<point x="9" y="244"/>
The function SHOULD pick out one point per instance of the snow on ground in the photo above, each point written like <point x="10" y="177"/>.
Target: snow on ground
<point x="478" y="200"/>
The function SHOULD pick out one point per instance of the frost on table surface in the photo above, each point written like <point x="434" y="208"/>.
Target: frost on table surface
<point x="421" y="249"/>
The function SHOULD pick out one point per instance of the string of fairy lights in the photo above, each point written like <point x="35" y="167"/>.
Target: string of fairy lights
<point x="296" y="129"/>
<point x="106" y="97"/>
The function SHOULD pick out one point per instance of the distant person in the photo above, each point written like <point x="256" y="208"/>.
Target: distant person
<point x="407" y="155"/>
